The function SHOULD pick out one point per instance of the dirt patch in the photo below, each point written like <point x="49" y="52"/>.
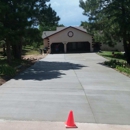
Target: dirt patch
<point x="31" y="60"/>
<point x="33" y="57"/>
<point x="2" y="81"/>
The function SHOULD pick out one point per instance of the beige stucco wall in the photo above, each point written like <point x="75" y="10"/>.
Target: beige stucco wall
<point x="63" y="37"/>
<point x="118" y="47"/>
<point x="45" y="43"/>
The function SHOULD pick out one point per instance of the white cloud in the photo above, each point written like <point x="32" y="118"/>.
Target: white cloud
<point x="55" y="4"/>
<point x="69" y="12"/>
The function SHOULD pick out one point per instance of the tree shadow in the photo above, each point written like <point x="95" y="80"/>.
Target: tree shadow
<point x="102" y="63"/>
<point x="45" y="70"/>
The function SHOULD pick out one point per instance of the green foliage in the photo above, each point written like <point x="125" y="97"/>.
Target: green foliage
<point x="19" y="21"/>
<point x="116" y="61"/>
<point x="33" y="37"/>
<point x="2" y="42"/>
<point x="48" y="21"/>
<point x="121" y="66"/>
<point x="35" y="45"/>
<point x="31" y="50"/>
<point x="109" y="21"/>
<point x="116" y="56"/>
<point x="7" y="70"/>
<point x="102" y="27"/>
<point x="113" y="63"/>
<point x="123" y="69"/>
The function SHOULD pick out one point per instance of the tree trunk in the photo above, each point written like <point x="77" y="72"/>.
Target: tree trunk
<point x="127" y="51"/>
<point x="8" y="52"/>
<point x="4" y="50"/>
<point x="17" y="49"/>
<point x="124" y="33"/>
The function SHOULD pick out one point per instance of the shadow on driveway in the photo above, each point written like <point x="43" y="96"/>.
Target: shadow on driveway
<point x="45" y="70"/>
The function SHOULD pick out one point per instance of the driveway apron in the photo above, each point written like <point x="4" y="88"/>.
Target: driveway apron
<point x="53" y="86"/>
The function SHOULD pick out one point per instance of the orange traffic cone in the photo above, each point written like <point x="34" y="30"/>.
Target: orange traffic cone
<point x="70" y="121"/>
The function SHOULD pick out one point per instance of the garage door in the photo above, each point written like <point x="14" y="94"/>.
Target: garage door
<point x="57" y="48"/>
<point x="78" y="47"/>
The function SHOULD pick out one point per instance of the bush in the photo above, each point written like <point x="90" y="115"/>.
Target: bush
<point x="121" y="66"/>
<point x="7" y="70"/>
<point x="114" y="63"/>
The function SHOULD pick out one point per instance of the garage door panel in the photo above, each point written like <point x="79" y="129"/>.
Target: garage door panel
<point x="57" y="48"/>
<point x="78" y="47"/>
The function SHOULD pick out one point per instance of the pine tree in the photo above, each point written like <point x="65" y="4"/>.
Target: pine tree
<point x="112" y="18"/>
<point x="18" y="17"/>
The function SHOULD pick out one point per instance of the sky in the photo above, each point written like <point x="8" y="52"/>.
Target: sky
<point x="69" y="12"/>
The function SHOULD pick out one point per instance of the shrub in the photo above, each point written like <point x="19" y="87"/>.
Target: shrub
<point x="121" y="66"/>
<point x="7" y="70"/>
<point x="114" y="63"/>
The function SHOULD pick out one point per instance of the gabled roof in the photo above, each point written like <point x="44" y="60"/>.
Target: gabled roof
<point x="47" y="34"/>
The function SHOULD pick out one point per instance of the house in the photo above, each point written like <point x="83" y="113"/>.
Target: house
<point x="67" y="39"/>
<point x="73" y="39"/>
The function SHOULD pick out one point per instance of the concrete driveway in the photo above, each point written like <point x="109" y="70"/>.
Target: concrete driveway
<point x="52" y="87"/>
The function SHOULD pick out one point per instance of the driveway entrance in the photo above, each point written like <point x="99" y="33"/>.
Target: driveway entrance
<point x="52" y="87"/>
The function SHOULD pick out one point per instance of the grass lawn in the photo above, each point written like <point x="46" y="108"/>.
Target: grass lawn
<point x="116" y="61"/>
<point x="108" y="55"/>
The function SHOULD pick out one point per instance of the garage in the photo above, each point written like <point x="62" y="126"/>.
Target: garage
<point x="73" y="47"/>
<point x="68" y="40"/>
<point x="57" y="48"/>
